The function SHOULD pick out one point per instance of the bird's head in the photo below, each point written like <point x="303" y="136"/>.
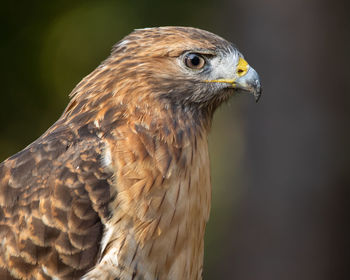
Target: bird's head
<point x="177" y="67"/>
<point x="185" y="65"/>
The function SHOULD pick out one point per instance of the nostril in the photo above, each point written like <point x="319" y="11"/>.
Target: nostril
<point x="241" y="72"/>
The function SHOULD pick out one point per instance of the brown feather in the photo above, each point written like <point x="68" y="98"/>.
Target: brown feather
<point x="119" y="187"/>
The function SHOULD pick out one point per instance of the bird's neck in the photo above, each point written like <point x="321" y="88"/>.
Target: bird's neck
<point x="161" y="163"/>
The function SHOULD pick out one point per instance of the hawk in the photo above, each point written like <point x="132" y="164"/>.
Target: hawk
<point x="119" y="187"/>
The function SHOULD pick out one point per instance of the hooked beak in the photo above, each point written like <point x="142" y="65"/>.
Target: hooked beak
<point x="247" y="80"/>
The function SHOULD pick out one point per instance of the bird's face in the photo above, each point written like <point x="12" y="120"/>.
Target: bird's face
<point x="220" y="73"/>
<point x="185" y="65"/>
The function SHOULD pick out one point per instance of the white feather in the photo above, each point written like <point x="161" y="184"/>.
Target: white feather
<point x="107" y="156"/>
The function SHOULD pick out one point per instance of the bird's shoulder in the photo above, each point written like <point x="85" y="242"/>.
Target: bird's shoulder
<point x="54" y="199"/>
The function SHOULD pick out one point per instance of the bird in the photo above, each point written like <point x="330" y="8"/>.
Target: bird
<point x="119" y="186"/>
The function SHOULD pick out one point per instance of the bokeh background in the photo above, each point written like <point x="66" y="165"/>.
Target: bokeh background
<point x="280" y="168"/>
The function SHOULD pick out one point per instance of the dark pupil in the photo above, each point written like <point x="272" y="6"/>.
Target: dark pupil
<point x="195" y="61"/>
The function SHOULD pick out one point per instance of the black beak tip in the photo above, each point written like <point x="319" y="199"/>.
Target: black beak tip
<point x="257" y="94"/>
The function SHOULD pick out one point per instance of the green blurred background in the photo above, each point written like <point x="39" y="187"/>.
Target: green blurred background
<point x="280" y="168"/>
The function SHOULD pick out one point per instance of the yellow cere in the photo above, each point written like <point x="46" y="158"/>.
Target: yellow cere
<point x="242" y="67"/>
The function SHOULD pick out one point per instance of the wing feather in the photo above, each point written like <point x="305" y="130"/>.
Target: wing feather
<point x="54" y="199"/>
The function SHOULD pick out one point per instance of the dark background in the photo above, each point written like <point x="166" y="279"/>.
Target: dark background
<point x="280" y="168"/>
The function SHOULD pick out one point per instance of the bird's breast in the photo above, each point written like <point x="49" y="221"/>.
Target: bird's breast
<point x="161" y="208"/>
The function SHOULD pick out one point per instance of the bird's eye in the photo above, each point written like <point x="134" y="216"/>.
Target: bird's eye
<point x="194" y="61"/>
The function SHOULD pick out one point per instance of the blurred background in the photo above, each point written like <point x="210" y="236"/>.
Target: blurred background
<point x="280" y="168"/>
